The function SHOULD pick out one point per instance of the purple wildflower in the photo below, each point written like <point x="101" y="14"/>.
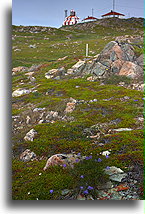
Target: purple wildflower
<point x="64" y="165"/>
<point x="90" y="188"/>
<point x="135" y="100"/>
<point x="107" y="156"/>
<point x="87" y="158"/>
<point x="51" y="191"/>
<point x="99" y="159"/>
<point x="82" y="176"/>
<point x="86" y="192"/>
<point x="81" y="187"/>
<point x="79" y="154"/>
<point x="107" y="167"/>
<point x="77" y="160"/>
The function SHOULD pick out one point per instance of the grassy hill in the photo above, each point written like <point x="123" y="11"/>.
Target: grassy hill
<point x="51" y="48"/>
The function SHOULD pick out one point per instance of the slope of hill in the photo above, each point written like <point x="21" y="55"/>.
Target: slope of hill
<point x="91" y="127"/>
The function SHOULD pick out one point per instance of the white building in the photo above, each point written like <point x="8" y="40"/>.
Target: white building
<point x="89" y="19"/>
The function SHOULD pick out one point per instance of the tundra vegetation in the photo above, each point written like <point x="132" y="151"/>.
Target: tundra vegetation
<point x="100" y="108"/>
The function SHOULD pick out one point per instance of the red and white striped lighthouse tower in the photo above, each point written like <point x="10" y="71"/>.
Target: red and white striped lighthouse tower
<point x="72" y="19"/>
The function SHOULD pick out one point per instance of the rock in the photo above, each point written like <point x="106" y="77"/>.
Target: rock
<point x="55" y="73"/>
<point x="121" y="51"/>
<point x="99" y="69"/>
<point x="19" y="69"/>
<point x="19" y="92"/>
<point x="70" y="106"/>
<point x="41" y="121"/>
<point x="81" y="197"/>
<point x="28" y="119"/>
<point x="63" y="58"/>
<point x="58" y="159"/>
<point x="131" y="70"/>
<point x="27" y="155"/>
<point x="113" y="170"/>
<point x="89" y="197"/>
<point x="118" y="177"/>
<point x="34" y="68"/>
<point x="107" y="185"/>
<point x="122" y="129"/>
<point x="106" y="153"/>
<point x="32" y="79"/>
<point x="70" y="71"/>
<point x="90" y="78"/>
<point x="32" y="46"/>
<point x="63" y="160"/>
<point x="38" y="109"/>
<point x="140" y="60"/>
<point x="79" y="66"/>
<point x="52" y="114"/>
<point x="65" y="192"/>
<point x="29" y="73"/>
<point x="57" y="78"/>
<point x="116" y="66"/>
<point x="50" y="73"/>
<point x="30" y="135"/>
<point x="121" y="187"/>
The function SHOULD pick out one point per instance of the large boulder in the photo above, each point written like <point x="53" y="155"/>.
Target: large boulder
<point x="114" y="51"/>
<point x="130" y="69"/>
<point x="116" y="58"/>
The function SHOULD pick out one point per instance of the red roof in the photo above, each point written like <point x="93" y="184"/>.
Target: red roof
<point x="113" y="13"/>
<point x="89" y="17"/>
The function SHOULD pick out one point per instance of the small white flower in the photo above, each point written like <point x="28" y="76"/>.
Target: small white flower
<point x="40" y="173"/>
<point x="37" y="199"/>
<point x="28" y="193"/>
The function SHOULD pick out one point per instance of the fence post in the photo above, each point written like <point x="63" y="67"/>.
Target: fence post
<point x="87" y="50"/>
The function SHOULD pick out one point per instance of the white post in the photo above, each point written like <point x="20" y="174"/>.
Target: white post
<point x="87" y="50"/>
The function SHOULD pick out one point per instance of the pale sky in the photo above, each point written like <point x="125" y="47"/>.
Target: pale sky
<point x="51" y="12"/>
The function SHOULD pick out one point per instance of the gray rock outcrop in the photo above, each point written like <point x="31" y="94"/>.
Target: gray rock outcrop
<point x="115" y="59"/>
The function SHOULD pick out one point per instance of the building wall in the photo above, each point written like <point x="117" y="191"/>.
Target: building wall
<point x="71" y="20"/>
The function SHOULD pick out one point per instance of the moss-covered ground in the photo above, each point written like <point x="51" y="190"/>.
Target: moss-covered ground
<point x="30" y="182"/>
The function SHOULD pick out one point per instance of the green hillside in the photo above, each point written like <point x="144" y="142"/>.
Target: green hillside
<point x="103" y="104"/>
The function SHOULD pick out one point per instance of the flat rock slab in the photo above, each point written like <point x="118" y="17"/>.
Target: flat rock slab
<point x="118" y="177"/>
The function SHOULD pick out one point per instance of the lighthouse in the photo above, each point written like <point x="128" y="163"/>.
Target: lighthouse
<point x="71" y="19"/>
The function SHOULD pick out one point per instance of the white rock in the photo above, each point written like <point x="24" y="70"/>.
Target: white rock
<point x="28" y="119"/>
<point x="30" y="135"/>
<point x="118" y="177"/>
<point x="113" y="170"/>
<point x="70" y="71"/>
<point x="40" y="121"/>
<point x="78" y="64"/>
<point x="106" y="153"/>
<point x="19" y="92"/>
<point x="38" y="109"/>
<point x="122" y="129"/>
<point x="27" y="155"/>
